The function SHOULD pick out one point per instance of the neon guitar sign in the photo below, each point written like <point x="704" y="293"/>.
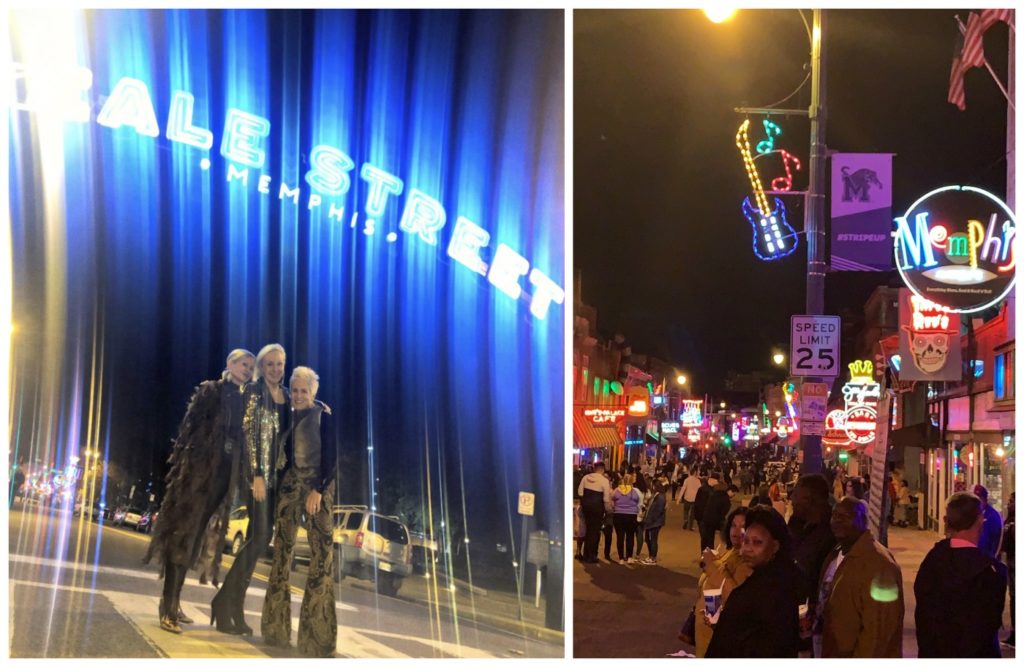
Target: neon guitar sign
<point x="774" y="238"/>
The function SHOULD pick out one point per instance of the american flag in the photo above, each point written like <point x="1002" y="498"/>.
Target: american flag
<point x="970" y="50"/>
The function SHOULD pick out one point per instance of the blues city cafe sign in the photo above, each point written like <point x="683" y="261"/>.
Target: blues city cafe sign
<point x="243" y="145"/>
<point x="955" y="247"/>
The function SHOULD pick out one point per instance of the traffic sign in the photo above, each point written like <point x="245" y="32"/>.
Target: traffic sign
<point x="814" y="346"/>
<point x="813" y="403"/>
<point x="812" y="428"/>
<point x="525" y="503"/>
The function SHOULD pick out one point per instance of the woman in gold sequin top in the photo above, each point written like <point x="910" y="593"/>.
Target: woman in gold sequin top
<point x="266" y="419"/>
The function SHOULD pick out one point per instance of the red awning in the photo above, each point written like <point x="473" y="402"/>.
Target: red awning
<point x="586" y="435"/>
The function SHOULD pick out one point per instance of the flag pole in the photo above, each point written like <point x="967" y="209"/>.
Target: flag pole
<point x="963" y="31"/>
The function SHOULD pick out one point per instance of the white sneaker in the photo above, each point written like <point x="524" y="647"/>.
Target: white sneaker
<point x="650" y="561"/>
<point x="630" y="561"/>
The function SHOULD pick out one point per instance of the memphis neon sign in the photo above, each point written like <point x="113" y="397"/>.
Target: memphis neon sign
<point x="327" y="181"/>
<point x="947" y="256"/>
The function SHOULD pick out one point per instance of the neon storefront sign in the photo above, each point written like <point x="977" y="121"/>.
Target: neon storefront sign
<point x="955" y="246"/>
<point x="692" y="413"/>
<point x="604" y="416"/>
<point x="861" y="395"/>
<point x="325" y="184"/>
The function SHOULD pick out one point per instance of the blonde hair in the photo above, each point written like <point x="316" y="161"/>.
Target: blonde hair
<point x="234" y="355"/>
<point x="309" y="375"/>
<point x="264" y="351"/>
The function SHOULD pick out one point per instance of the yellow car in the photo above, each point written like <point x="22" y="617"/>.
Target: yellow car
<point x="238" y="524"/>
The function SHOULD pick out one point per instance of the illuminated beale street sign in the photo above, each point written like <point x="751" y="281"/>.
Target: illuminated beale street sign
<point x="326" y="182"/>
<point x="955" y="246"/>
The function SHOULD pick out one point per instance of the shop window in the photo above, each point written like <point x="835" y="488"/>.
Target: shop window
<point x="1003" y="381"/>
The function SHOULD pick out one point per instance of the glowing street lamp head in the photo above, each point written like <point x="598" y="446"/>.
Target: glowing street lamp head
<point x="722" y="405"/>
<point x="719" y="14"/>
<point x="779" y="358"/>
<point x="681" y="380"/>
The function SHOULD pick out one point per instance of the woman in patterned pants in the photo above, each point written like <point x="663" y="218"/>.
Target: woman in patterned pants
<point x="306" y="486"/>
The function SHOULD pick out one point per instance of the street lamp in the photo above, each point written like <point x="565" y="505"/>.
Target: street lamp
<point x="778" y="358"/>
<point x="722" y="405"/>
<point x="720" y="14"/>
<point x="680" y="379"/>
<point x="814" y="217"/>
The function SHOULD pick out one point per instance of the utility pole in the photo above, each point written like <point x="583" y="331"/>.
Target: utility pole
<point x="814" y="217"/>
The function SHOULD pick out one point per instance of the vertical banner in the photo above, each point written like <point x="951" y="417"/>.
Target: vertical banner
<point x="929" y="340"/>
<point x="862" y="212"/>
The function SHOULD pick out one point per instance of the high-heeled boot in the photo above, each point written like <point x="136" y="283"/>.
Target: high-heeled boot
<point x="220" y="615"/>
<point x="238" y="614"/>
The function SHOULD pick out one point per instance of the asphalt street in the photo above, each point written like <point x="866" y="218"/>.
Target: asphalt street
<point x="79" y="589"/>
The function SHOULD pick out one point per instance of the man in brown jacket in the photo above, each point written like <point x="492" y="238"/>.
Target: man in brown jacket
<point x="860" y="596"/>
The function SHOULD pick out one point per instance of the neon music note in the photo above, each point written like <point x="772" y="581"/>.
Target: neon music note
<point x="785" y="183"/>
<point x="771" y="130"/>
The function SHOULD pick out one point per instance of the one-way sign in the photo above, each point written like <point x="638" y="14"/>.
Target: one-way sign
<point x="814" y="346"/>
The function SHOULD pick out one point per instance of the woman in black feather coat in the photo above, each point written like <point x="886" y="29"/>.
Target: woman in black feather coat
<point x="205" y="454"/>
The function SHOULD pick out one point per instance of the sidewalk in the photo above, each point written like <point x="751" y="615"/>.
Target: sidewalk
<point x="637" y="610"/>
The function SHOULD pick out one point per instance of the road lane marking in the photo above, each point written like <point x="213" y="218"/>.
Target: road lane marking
<point x="450" y="648"/>
<point x="138" y="574"/>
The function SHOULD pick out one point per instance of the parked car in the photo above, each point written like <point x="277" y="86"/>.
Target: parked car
<point x="148" y="520"/>
<point x="424" y="552"/>
<point x="128" y="515"/>
<point x="238" y="524"/>
<point x="367" y="545"/>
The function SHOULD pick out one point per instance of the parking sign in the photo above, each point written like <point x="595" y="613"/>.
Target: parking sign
<point x="814" y="346"/>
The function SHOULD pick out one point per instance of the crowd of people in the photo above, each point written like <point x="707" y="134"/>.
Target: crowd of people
<point x="816" y="585"/>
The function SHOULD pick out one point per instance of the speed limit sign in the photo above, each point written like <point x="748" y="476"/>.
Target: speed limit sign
<point x="814" y="346"/>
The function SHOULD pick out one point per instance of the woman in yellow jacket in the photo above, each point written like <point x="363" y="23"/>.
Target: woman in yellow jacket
<point x="726" y="572"/>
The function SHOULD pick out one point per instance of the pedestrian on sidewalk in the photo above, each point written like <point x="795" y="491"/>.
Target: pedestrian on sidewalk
<point x="654" y="519"/>
<point x="579" y="526"/>
<point x="859" y="610"/>
<point x="691" y="485"/>
<point x="713" y="517"/>
<point x="811" y="533"/>
<point x="960" y="589"/>
<point x="1009" y="530"/>
<point x="761" y="619"/>
<point x="903" y="504"/>
<point x="992" y="528"/>
<point x="626" y="504"/>
<point x="596" y="496"/>
<point x="701" y="499"/>
<point x="646" y="494"/>
<point x="725" y="572"/>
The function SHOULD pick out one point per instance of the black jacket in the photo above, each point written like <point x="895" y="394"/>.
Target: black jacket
<point x="960" y="596"/>
<point x="812" y="543"/>
<point x="761" y="617"/>
<point x="717" y="508"/>
<point x="700" y="501"/>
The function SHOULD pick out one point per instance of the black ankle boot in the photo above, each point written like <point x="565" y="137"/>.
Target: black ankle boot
<point x="219" y="615"/>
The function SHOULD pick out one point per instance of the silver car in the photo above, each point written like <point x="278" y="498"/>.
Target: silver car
<point x="367" y="545"/>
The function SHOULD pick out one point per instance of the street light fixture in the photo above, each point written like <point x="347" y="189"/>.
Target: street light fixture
<point x="814" y="216"/>
<point x="681" y="379"/>
<point x="720" y="14"/>
<point x="779" y="358"/>
<point x="722" y="405"/>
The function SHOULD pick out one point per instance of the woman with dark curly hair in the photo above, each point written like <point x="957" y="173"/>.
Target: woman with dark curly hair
<point x="761" y="618"/>
<point x="203" y="464"/>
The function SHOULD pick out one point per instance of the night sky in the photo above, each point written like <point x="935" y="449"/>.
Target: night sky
<point x="659" y="236"/>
